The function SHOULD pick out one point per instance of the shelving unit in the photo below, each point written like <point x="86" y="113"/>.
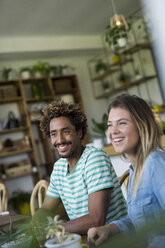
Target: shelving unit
<point x="11" y="93"/>
<point x="116" y="69"/>
<point x="126" y="87"/>
<point x="134" y="62"/>
<point x="30" y="102"/>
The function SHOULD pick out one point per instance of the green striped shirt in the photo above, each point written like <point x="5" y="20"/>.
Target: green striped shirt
<point x="93" y="172"/>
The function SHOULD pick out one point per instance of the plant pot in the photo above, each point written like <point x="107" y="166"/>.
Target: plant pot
<point x="101" y="72"/>
<point x="21" y="241"/>
<point x="25" y="74"/>
<point x="74" y="243"/>
<point x="122" y="42"/>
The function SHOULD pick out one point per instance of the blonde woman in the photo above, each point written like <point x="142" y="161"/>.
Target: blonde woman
<point x="133" y="132"/>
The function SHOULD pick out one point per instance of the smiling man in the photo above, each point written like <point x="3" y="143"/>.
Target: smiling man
<point x="83" y="178"/>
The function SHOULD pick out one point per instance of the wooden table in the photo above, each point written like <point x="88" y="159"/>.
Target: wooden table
<point x="17" y="219"/>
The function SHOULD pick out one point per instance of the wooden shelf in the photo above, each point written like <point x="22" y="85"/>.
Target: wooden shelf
<point x="127" y="86"/>
<point x="15" y="152"/>
<point x="107" y="73"/>
<point x="13" y="130"/>
<point x="137" y="48"/>
<point x="24" y="174"/>
<point x="11" y="99"/>
<point x="45" y="98"/>
<point x="122" y="62"/>
<point x="8" y="82"/>
<point x="62" y="76"/>
<point x="130" y="70"/>
<point x="33" y="80"/>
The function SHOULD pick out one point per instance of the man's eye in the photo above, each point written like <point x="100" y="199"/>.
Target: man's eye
<point x="66" y="132"/>
<point x="52" y="135"/>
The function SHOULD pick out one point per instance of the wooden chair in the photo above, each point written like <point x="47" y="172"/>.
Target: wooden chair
<point x="3" y="197"/>
<point x="123" y="180"/>
<point x="38" y="195"/>
<point x="123" y="177"/>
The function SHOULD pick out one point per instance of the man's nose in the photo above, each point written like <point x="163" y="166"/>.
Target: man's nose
<point x="60" y="138"/>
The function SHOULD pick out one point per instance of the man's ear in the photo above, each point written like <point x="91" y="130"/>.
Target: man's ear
<point x="79" y="133"/>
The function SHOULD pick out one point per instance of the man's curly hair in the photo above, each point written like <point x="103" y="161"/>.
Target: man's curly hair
<point x="69" y="110"/>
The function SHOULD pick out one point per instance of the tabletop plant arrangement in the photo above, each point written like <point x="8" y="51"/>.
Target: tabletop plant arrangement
<point x="17" y="237"/>
<point x="51" y="234"/>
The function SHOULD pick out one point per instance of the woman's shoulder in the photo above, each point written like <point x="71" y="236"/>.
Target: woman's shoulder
<point x="157" y="154"/>
<point x="156" y="158"/>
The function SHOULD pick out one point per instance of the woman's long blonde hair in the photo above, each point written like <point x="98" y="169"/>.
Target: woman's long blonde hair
<point x="149" y="132"/>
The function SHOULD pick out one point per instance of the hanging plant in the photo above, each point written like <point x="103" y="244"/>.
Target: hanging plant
<point x="114" y="33"/>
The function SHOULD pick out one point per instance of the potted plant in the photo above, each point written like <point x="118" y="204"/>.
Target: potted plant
<point x="105" y="85"/>
<point x="117" y="35"/>
<point x="56" y="236"/>
<point x="100" y="129"/>
<point x="19" y="201"/>
<point x="123" y="79"/>
<point x="6" y="73"/>
<point x="101" y="67"/>
<point x="25" y="72"/>
<point x="41" y="69"/>
<point x="59" y="69"/>
<point x="17" y="237"/>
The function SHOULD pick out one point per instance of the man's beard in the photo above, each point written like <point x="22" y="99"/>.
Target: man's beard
<point x="69" y="154"/>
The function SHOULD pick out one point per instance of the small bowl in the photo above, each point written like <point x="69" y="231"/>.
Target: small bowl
<point x="74" y="243"/>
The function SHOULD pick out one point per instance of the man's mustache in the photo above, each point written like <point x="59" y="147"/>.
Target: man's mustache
<point x="63" y="143"/>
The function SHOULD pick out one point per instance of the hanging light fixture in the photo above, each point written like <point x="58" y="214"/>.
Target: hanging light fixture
<point x="118" y="20"/>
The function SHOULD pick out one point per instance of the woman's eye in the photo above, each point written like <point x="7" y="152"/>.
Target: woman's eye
<point x="122" y="123"/>
<point x="109" y="125"/>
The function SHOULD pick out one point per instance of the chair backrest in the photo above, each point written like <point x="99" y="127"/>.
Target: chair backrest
<point x="3" y="197"/>
<point x="38" y="195"/>
<point x="123" y="177"/>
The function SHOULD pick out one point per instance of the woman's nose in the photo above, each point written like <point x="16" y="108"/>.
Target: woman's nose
<point x="113" y="129"/>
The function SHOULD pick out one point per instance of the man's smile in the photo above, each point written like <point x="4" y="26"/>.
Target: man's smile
<point x="63" y="146"/>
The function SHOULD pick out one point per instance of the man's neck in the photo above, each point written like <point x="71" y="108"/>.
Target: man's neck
<point x="73" y="161"/>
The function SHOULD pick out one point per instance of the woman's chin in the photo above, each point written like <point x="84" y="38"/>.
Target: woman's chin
<point x="118" y="149"/>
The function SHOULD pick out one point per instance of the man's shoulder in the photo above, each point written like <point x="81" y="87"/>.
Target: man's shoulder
<point x="94" y="152"/>
<point x="60" y="162"/>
